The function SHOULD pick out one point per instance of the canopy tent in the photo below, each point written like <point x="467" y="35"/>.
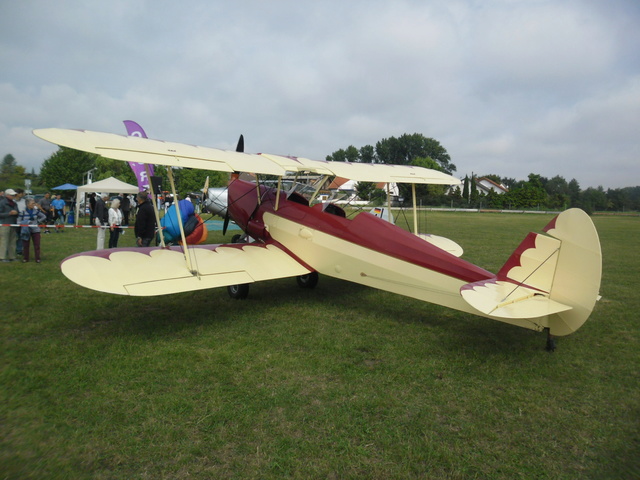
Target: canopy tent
<point x="108" y="185"/>
<point x="66" y="186"/>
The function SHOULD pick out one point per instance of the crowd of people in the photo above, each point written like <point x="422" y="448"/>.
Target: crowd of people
<point x="23" y="220"/>
<point x="117" y="216"/>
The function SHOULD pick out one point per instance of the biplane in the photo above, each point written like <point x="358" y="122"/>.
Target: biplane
<point x="551" y="281"/>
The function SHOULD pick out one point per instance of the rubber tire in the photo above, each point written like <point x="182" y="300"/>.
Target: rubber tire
<point x="310" y="280"/>
<point x="239" y="292"/>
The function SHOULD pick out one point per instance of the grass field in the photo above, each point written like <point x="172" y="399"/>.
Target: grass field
<point x="338" y="382"/>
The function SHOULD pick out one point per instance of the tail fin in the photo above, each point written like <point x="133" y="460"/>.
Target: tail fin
<point x="549" y="281"/>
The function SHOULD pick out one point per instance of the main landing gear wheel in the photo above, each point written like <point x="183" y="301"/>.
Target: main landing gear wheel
<point x="239" y="292"/>
<point x="310" y="280"/>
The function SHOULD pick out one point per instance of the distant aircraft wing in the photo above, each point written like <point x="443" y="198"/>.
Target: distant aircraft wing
<point x="143" y="150"/>
<point x="159" y="271"/>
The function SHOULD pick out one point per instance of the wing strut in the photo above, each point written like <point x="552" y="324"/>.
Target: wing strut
<point x="389" y="202"/>
<point x="154" y="202"/>
<point x="278" y="193"/>
<point x="321" y="182"/>
<point x="176" y="204"/>
<point x="415" y="209"/>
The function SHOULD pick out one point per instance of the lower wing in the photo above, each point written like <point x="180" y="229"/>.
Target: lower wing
<point x="160" y="271"/>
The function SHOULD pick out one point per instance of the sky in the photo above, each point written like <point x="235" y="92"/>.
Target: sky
<point x="508" y="87"/>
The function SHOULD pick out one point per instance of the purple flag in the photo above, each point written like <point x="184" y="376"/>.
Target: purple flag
<point x="135" y="130"/>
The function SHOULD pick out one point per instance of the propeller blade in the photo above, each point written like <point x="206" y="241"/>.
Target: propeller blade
<point x="225" y="225"/>
<point x="239" y="148"/>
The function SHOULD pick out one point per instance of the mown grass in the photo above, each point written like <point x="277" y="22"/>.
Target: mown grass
<point x="339" y="382"/>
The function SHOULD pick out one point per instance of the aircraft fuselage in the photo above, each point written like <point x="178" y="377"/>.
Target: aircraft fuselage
<point x="364" y="250"/>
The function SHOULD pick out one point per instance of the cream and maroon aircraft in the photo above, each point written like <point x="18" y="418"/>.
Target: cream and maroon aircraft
<point x="551" y="281"/>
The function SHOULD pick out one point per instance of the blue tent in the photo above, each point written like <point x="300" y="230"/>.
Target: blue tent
<point x="66" y="186"/>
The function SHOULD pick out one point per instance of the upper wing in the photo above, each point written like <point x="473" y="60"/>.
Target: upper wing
<point x="365" y="172"/>
<point x="143" y="150"/>
<point x="160" y="271"/>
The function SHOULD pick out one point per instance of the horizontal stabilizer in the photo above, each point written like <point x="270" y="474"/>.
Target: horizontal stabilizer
<point x="505" y="299"/>
<point x="442" y="243"/>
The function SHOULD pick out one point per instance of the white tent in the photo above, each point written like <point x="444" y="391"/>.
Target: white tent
<point x="108" y="185"/>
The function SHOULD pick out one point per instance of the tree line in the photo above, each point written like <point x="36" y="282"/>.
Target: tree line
<point x="71" y="166"/>
<point x="537" y="192"/>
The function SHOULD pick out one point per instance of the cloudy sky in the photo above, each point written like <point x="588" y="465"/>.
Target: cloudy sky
<point x="506" y="86"/>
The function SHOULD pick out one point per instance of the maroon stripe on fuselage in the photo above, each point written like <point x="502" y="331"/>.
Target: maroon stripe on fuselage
<point x="365" y="230"/>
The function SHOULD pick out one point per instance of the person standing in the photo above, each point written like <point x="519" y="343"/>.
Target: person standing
<point x="115" y="221"/>
<point x="101" y="218"/>
<point x="45" y="206"/>
<point x="8" y="215"/>
<point x="145" y="227"/>
<point x="125" y="206"/>
<point x="58" y="206"/>
<point x="21" y="202"/>
<point x="30" y="218"/>
<point x="92" y="207"/>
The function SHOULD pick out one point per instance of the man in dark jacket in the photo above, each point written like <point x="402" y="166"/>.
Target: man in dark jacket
<point x="8" y="236"/>
<point x="101" y="218"/>
<point x="145" y="228"/>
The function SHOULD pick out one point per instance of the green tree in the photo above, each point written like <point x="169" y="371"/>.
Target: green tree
<point x="367" y="154"/>
<point x="8" y="165"/>
<point x="634" y="197"/>
<point x="337" y="156"/>
<point x="11" y="174"/>
<point x="402" y="151"/>
<point x="368" y="191"/>
<point x="465" y="189"/>
<point x="509" y="182"/>
<point x="428" y="194"/>
<point x="495" y="200"/>
<point x="529" y="194"/>
<point x="473" y="192"/>
<point x="191" y="180"/>
<point x="107" y="167"/>
<point x="351" y="154"/>
<point x="574" y="192"/>
<point x="455" y="197"/>
<point x="397" y="151"/>
<point x="593" y="199"/>
<point x="66" y="166"/>
<point x="557" y="190"/>
<point x="624" y="199"/>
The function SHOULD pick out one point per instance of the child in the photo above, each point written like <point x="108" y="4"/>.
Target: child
<point x="32" y="217"/>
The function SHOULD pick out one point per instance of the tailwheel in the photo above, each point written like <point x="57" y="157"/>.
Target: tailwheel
<point x="551" y="342"/>
<point x="310" y="280"/>
<point x="239" y="292"/>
